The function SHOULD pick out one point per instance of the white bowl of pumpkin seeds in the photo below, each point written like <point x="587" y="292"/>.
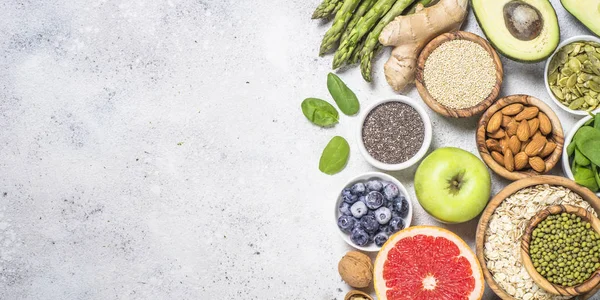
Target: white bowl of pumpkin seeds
<point x="572" y="75"/>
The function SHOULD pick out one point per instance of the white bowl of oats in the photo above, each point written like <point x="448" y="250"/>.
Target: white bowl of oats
<point x="503" y="222"/>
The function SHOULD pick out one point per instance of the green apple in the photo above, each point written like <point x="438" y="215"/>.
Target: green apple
<point x="452" y="185"/>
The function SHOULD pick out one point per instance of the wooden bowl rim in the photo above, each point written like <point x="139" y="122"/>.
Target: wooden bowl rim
<point x="557" y="136"/>
<point x="541" y="215"/>
<point x="506" y="192"/>
<point x="434" y="104"/>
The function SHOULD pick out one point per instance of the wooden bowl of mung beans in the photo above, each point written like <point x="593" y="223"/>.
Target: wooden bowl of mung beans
<point x="560" y="250"/>
<point x="459" y="74"/>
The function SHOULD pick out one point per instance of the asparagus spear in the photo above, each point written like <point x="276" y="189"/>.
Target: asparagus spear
<point x="365" y="5"/>
<point x="355" y="57"/>
<point x="363" y="26"/>
<point x="326" y="9"/>
<point x="366" y="54"/>
<point x="372" y="44"/>
<point x="342" y="17"/>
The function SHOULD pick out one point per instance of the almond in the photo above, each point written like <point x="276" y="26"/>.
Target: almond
<point x="537" y="134"/>
<point x="509" y="160"/>
<point x="548" y="149"/>
<point x="534" y="124"/>
<point x="512" y="109"/>
<point x="494" y="122"/>
<point x="545" y="125"/>
<point x="536" y="146"/>
<point x="528" y="113"/>
<point x="511" y="128"/>
<point x="537" y="164"/>
<point x="493" y="145"/>
<point x="503" y="144"/>
<point x="524" y="145"/>
<point x="521" y="160"/>
<point x="498" y="157"/>
<point x="498" y="134"/>
<point x="514" y="144"/>
<point x="506" y="120"/>
<point x="523" y="131"/>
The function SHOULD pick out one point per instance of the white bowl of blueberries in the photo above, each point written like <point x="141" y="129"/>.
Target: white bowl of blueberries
<point x="371" y="208"/>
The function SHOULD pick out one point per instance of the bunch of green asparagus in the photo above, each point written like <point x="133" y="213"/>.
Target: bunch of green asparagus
<point x="356" y="28"/>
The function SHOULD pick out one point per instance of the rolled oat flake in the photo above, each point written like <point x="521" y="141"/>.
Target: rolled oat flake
<point x="393" y="132"/>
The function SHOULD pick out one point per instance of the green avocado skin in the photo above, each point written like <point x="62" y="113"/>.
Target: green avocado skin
<point x="572" y="10"/>
<point x="517" y="59"/>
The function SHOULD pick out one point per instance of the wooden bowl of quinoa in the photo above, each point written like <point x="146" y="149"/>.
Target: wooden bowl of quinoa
<point x="459" y="74"/>
<point x="503" y="222"/>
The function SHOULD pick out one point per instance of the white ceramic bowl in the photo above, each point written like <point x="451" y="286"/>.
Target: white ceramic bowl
<point x="417" y="157"/>
<point x="363" y="178"/>
<point x="566" y="164"/>
<point x="576" y="38"/>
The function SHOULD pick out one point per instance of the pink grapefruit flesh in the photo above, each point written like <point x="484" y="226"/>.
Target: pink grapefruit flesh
<point x="427" y="263"/>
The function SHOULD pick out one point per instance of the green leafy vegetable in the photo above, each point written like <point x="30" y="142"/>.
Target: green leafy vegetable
<point x="320" y="112"/>
<point x="580" y="159"/>
<point x="596" y="170"/>
<point x="571" y="148"/>
<point x="586" y="177"/>
<point x="344" y="97"/>
<point x="334" y="156"/>
<point x="587" y="140"/>
<point x="597" y="121"/>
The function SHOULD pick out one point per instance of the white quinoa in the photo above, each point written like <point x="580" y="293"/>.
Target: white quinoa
<point x="459" y="74"/>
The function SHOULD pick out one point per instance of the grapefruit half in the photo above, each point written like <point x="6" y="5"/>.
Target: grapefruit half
<point x="427" y="263"/>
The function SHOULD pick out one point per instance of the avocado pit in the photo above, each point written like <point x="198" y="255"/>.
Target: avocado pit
<point x="522" y="20"/>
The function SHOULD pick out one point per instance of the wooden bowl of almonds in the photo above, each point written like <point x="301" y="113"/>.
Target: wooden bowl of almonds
<point x="503" y="223"/>
<point x="459" y="74"/>
<point x="520" y="136"/>
<point x="557" y="250"/>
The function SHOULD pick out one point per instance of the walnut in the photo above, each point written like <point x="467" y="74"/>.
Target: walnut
<point x="356" y="269"/>
<point x="357" y="295"/>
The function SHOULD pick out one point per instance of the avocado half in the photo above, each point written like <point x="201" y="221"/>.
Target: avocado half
<point x="522" y="30"/>
<point x="586" y="11"/>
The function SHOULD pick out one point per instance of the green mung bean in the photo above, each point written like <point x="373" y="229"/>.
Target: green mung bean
<point x="565" y="249"/>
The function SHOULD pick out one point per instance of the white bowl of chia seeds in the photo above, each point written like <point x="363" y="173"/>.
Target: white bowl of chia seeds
<point x="578" y="38"/>
<point x="370" y="208"/>
<point x="394" y="134"/>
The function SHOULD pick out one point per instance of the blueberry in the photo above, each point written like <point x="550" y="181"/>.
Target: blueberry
<point x="358" y="189"/>
<point x="345" y="223"/>
<point x="396" y="204"/>
<point x="385" y="229"/>
<point x="358" y="209"/>
<point x="345" y="209"/>
<point x="383" y="215"/>
<point x="348" y="197"/>
<point x="404" y="210"/>
<point x="391" y="191"/>
<point x="396" y="224"/>
<point x="380" y="239"/>
<point x="359" y="237"/>
<point x="362" y="199"/>
<point x="369" y="223"/>
<point x="357" y="224"/>
<point x="374" y="185"/>
<point x="374" y="200"/>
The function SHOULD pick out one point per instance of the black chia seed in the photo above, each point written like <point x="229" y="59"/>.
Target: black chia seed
<point x="393" y="132"/>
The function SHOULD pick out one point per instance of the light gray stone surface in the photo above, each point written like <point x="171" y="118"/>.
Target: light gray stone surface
<point x="156" y="149"/>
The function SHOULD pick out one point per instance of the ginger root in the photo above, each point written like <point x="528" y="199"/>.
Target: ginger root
<point x="409" y="34"/>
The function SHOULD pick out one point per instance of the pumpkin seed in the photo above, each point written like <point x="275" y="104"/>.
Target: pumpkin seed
<point x="589" y="100"/>
<point x="557" y="92"/>
<point x="575" y="65"/>
<point x="572" y="80"/>
<point x="553" y="78"/>
<point x="582" y="58"/>
<point x="563" y="81"/>
<point x="575" y="92"/>
<point x="576" y="48"/>
<point x="577" y="103"/>
<point x="589" y="48"/>
<point x="594" y="86"/>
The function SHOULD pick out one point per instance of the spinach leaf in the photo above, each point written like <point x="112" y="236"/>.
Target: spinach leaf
<point x="571" y="148"/>
<point x="587" y="140"/>
<point x="597" y="121"/>
<point x="344" y="97"/>
<point x="585" y="176"/>
<point x="320" y="112"/>
<point x="580" y="159"/>
<point x="596" y="170"/>
<point x="334" y="156"/>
